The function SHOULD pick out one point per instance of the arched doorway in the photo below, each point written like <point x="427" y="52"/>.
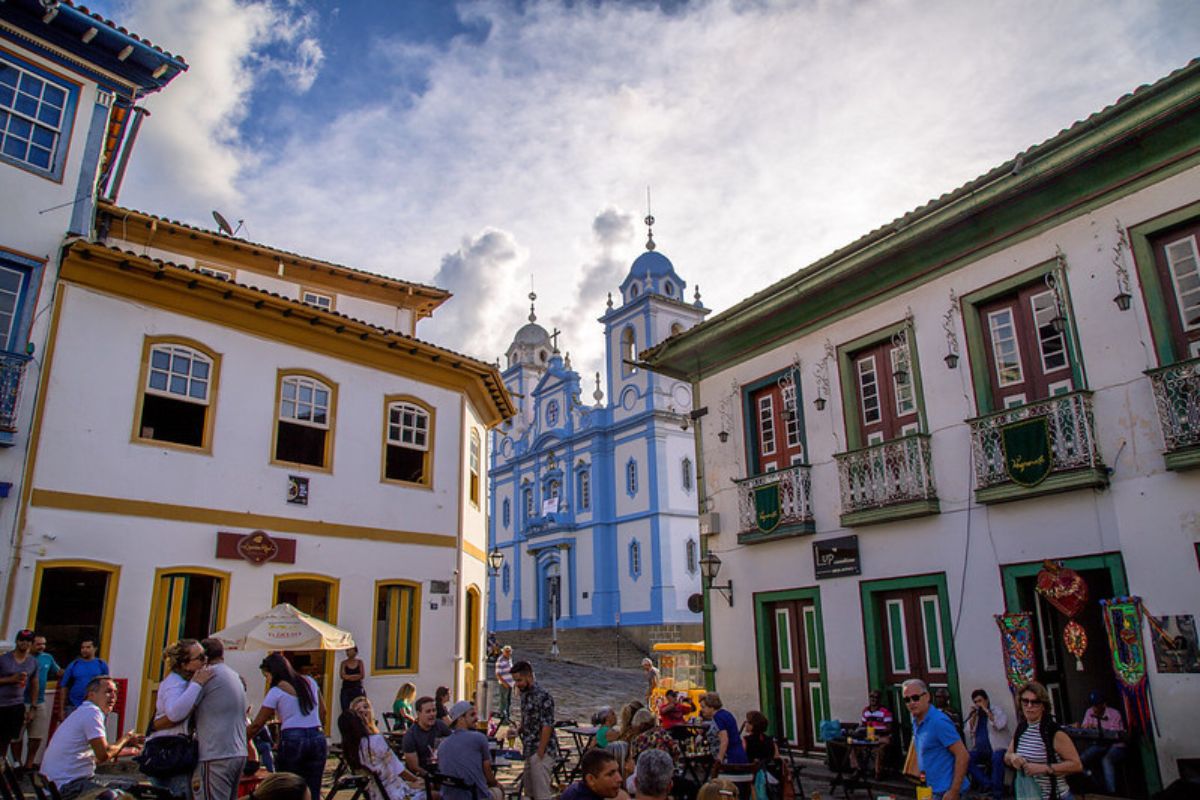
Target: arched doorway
<point x="549" y="592"/>
<point x="317" y="596"/>
<point x="471" y="649"/>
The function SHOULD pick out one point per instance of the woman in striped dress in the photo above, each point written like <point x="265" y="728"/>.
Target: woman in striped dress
<point x="1040" y="749"/>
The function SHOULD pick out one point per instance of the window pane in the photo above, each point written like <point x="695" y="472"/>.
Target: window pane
<point x="869" y="389"/>
<point x="159" y="359"/>
<point x="200" y="369"/>
<point x="178" y="385"/>
<point x="31" y="84"/>
<point x="26" y="104"/>
<point x="181" y="364"/>
<point x="54" y="96"/>
<point x="15" y="148"/>
<point x="1004" y="347"/>
<point x="199" y="390"/>
<point x="1050" y="342"/>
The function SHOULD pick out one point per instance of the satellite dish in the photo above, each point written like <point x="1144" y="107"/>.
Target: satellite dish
<point x="696" y="603"/>
<point x="222" y="223"/>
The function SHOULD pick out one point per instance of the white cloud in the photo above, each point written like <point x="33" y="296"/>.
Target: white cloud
<point x="772" y="133"/>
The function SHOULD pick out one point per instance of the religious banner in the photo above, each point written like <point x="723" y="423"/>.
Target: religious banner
<point x="1027" y="457"/>
<point x="1016" y="639"/>
<point x="1076" y="640"/>
<point x="767" y="507"/>
<point x="1123" y="624"/>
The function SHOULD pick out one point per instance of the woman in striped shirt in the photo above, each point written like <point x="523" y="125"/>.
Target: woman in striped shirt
<point x="1040" y="749"/>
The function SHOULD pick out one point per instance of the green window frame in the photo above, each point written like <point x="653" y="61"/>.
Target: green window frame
<point x="848" y="378"/>
<point x="1158" y="304"/>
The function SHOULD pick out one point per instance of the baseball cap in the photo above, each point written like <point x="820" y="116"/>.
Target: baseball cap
<point x="460" y="708"/>
<point x="24" y="635"/>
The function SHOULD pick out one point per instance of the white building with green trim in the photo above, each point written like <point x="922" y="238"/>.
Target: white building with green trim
<point x="894" y="439"/>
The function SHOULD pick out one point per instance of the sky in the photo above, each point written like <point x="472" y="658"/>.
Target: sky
<point x="489" y="146"/>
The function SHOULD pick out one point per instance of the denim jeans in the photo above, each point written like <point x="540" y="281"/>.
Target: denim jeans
<point x="1108" y="755"/>
<point x="986" y="768"/>
<point x="303" y="751"/>
<point x="505" y="700"/>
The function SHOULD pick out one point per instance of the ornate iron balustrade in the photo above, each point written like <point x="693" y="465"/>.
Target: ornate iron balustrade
<point x="1177" y="396"/>
<point x="12" y="369"/>
<point x="1072" y="432"/>
<point x="795" y="499"/>
<point x="889" y="474"/>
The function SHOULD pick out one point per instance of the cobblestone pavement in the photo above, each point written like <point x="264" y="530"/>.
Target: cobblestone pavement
<point x="579" y="689"/>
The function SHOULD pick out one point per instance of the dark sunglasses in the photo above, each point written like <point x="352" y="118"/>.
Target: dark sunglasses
<point x="1025" y="701"/>
<point x="912" y="698"/>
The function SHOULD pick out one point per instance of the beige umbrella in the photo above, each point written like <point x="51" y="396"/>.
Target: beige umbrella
<point x="284" y="627"/>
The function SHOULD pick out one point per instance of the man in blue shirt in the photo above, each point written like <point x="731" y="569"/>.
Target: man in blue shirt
<point x="72" y="687"/>
<point x="39" y="726"/>
<point x="940" y="751"/>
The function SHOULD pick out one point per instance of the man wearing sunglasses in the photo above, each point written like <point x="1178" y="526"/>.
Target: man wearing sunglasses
<point x="940" y="751"/>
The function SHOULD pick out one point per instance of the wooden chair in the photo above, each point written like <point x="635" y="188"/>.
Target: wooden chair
<point x="43" y="787"/>
<point x="10" y="784"/>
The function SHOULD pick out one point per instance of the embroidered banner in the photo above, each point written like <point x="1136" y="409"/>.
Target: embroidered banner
<point x="766" y="507"/>
<point x="1016" y="638"/>
<point x="1123" y="624"/>
<point x="1027" y="458"/>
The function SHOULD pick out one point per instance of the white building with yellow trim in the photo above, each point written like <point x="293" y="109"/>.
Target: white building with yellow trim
<point x="198" y="388"/>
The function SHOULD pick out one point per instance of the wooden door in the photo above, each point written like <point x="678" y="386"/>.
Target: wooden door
<point x="799" y="693"/>
<point x="777" y="420"/>
<point x="1177" y="259"/>
<point x="1027" y="356"/>
<point x="884" y="391"/>
<point x="913" y="646"/>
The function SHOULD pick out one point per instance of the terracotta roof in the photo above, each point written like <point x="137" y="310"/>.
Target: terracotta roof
<point x="109" y="23"/>
<point x="422" y="288"/>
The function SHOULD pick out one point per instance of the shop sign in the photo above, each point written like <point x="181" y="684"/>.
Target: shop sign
<point x="766" y="507"/>
<point x="834" y="558"/>
<point x="297" y="492"/>
<point x="257" y="547"/>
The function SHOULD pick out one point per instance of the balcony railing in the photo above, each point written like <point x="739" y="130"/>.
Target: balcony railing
<point x="12" y="370"/>
<point x="887" y="481"/>
<point x="795" y="503"/>
<point x="1072" y="447"/>
<point x="1177" y="396"/>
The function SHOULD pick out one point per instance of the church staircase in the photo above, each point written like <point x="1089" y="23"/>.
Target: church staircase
<point x="600" y="647"/>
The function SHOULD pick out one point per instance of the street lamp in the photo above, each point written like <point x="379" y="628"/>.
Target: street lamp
<point x="495" y="560"/>
<point x="710" y="565"/>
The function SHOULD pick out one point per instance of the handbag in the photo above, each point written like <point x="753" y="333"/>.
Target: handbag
<point x="168" y="756"/>
<point x="1026" y="787"/>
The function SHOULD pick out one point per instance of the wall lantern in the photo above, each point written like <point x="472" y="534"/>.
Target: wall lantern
<point x="1123" y="300"/>
<point x="495" y="560"/>
<point x="723" y="436"/>
<point x="951" y="360"/>
<point x="1124" y="297"/>
<point x="710" y="565"/>
<point x="819" y="402"/>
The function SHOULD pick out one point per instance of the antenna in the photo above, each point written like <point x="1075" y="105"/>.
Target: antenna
<point x="224" y="226"/>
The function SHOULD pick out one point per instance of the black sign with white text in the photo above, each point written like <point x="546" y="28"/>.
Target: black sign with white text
<point x="834" y="558"/>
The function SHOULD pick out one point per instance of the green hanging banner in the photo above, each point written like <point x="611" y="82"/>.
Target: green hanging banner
<point x="766" y="507"/>
<point x="1027" y="457"/>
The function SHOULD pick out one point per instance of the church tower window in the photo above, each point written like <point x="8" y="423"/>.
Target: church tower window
<point x="527" y="499"/>
<point x="584" y="489"/>
<point x="668" y="289"/>
<point x="635" y="559"/>
<point x="687" y="474"/>
<point x="628" y="351"/>
<point x="690" y="553"/>
<point x="506" y="579"/>
<point x="552" y="413"/>
<point x="506" y="514"/>
<point x="631" y="478"/>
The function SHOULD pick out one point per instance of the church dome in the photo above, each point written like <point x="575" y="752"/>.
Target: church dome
<point x="531" y="335"/>
<point x="651" y="264"/>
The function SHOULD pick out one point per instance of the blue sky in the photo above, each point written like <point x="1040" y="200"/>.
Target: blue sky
<point x="478" y="144"/>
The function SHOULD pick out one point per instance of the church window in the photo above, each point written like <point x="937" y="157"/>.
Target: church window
<point x="633" y="291"/>
<point x="686" y="468"/>
<point x="690" y="553"/>
<point x="476" y="457"/>
<point x="527" y="501"/>
<point x="628" y="351"/>
<point x="552" y="413"/>
<point x="584" y="493"/>
<point x="635" y="559"/>
<point x="304" y="420"/>
<point x="506" y="513"/>
<point x="542" y="356"/>
<point x="407" y="447"/>
<point x="506" y="578"/>
<point x="550" y="504"/>
<point x="631" y="478"/>
<point x="668" y="289"/>
<point x="175" y="406"/>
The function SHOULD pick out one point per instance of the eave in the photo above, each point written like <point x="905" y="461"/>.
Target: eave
<point x="184" y="290"/>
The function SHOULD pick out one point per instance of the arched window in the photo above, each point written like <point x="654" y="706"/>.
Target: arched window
<point x="408" y="444"/>
<point x="584" y="489"/>
<point x="506" y="514"/>
<point x="179" y="379"/>
<point x="475" y="458"/>
<point x="304" y="420"/>
<point x="527" y="501"/>
<point x="635" y="559"/>
<point x="686" y="468"/>
<point x="668" y="289"/>
<point x="631" y="478"/>
<point x="506" y="578"/>
<point x="552" y="413"/>
<point x="690" y="553"/>
<point x="633" y="291"/>
<point x="628" y="351"/>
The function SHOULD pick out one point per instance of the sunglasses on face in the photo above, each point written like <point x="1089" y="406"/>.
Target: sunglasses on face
<point x="1030" y="701"/>
<point x="912" y="698"/>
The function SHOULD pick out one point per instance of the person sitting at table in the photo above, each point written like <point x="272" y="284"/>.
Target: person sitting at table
<point x="600" y="780"/>
<point x="654" y="776"/>
<point x="464" y="755"/>
<point x="420" y="741"/>
<point x="878" y="716"/>
<point x="761" y="748"/>
<point x="673" y="711"/>
<point x="625" y="732"/>
<point x="604" y="719"/>
<point x="80" y="742"/>
<point x="728" y="746"/>
<point x="281" y="786"/>
<point x="652" y="737"/>
<point x="717" y="790"/>
<point x="402" y="706"/>
<point x="1100" y="717"/>
<point x="441" y="699"/>
<point x="367" y="751"/>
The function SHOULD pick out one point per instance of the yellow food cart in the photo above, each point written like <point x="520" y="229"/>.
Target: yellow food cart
<point x="680" y="667"/>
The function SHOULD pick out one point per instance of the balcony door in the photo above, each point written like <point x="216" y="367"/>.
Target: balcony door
<point x="1177" y="259"/>
<point x="776" y="427"/>
<point x="887" y="401"/>
<point x="1027" y="354"/>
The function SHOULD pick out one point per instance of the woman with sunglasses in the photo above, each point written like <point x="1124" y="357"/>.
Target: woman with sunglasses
<point x="1040" y="749"/>
<point x="173" y="706"/>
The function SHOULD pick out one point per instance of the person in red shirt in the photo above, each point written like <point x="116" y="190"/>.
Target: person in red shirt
<point x="878" y="717"/>
<point x="675" y="709"/>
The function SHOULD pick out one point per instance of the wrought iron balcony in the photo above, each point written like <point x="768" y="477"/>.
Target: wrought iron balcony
<point x="888" y="481"/>
<point x="1069" y="457"/>
<point x="1177" y="396"/>
<point x="775" y="504"/>
<point x="12" y="370"/>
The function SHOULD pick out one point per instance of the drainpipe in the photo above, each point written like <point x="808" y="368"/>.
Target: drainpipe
<point x="709" y="669"/>
<point x="135" y="126"/>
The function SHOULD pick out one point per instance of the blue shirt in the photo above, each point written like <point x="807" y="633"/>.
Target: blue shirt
<point x="77" y="676"/>
<point x="46" y="664"/>
<point x="734" y="753"/>
<point x="934" y="735"/>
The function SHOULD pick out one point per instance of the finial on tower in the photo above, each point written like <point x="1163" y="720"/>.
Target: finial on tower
<point x="567" y="360"/>
<point x="532" y="298"/>
<point x="649" y="223"/>
<point x="698" y="303"/>
<point x="598" y="395"/>
<point x="610" y="301"/>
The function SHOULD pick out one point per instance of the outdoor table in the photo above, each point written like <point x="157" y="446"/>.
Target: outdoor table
<point x="696" y="767"/>
<point x="850" y="778"/>
<point x="584" y="737"/>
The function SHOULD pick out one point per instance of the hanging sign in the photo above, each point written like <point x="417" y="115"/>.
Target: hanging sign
<point x="833" y="558"/>
<point x="1016" y="639"/>
<point x="257" y="547"/>
<point x="1027" y="458"/>
<point x="766" y="507"/>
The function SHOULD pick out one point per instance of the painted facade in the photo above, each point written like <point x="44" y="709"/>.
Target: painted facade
<point x="69" y="81"/>
<point x="198" y="388"/>
<point x="594" y="506"/>
<point x="868" y="395"/>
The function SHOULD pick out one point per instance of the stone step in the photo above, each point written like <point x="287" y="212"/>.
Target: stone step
<point x="603" y="647"/>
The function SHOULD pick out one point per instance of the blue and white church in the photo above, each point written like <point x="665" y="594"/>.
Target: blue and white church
<point x="594" y="506"/>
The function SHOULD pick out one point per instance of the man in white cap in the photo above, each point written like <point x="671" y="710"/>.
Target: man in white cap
<point x="464" y="755"/>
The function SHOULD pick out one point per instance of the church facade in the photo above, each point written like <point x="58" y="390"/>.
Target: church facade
<point x="593" y="506"/>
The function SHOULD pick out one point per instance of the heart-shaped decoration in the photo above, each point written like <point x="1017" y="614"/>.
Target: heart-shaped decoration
<point x="1063" y="588"/>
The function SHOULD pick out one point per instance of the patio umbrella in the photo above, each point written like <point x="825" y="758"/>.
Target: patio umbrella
<point x="284" y="627"/>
